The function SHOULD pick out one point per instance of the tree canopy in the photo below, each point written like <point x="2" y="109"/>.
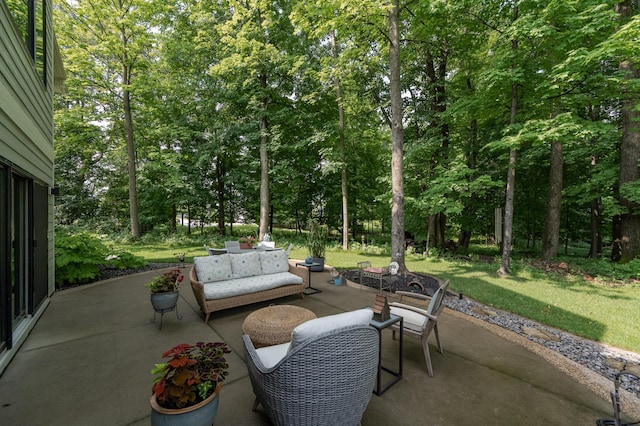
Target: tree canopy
<point x="281" y="111"/>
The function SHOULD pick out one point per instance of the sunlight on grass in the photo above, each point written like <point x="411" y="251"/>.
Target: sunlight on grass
<point x="595" y="311"/>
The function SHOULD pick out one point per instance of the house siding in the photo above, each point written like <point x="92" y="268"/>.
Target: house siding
<point x="26" y="139"/>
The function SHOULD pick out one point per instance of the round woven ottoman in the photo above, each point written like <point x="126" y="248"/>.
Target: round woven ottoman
<point x="273" y="325"/>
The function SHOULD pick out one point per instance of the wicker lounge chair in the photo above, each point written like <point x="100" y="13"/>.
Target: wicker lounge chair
<point x="327" y="380"/>
<point x="419" y="322"/>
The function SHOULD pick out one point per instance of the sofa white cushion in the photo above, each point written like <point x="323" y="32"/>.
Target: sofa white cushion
<point x="213" y="268"/>
<point x="312" y="328"/>
<point x="274" y="261"/>
<point x="245" y="264"/>
<point x="239" y="286"/>
<point x="271" y="355"/>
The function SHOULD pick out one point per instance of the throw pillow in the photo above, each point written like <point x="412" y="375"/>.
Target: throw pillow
<point x="213" y="268"/>
<point x="245" y="265"/>
<point x="274" y="261"/>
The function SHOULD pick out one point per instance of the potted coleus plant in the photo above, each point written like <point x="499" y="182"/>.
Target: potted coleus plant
<point x="186" y="387"/>
<point x="316" y="243"/>
<point x="164" y="292"/>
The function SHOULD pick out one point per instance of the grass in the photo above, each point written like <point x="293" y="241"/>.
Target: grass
<point x="597" y="311"/>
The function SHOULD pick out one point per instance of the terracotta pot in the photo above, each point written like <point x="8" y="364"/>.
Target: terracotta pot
<point x="245" y="246"/>
<point x="201" y="414"/>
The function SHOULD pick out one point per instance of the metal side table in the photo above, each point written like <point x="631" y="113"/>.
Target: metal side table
<point x="397" y="375"/>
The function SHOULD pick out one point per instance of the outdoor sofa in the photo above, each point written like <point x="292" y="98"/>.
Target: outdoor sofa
<point x="229" y="280"/>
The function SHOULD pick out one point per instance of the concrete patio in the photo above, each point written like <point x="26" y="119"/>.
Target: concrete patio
<point x="88" y="362"/>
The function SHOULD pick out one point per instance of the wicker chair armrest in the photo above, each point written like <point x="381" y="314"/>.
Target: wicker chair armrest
<point x="252" y="355"/>
<point x="300" y="271"/>
<point x="197" y="287"/>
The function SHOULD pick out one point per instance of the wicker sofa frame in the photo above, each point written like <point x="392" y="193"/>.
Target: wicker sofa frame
<point x="208" y="306"/>
<point x="327" y="380"/>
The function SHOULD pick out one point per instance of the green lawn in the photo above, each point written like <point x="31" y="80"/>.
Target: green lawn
<point x="607" y="314"/>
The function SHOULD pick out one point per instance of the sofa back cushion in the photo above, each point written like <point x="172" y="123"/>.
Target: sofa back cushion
<point x="315" y="327"/>
<point x="245" y="265"/>
<point x="213" y="268"/>
<point x="274" y="261"/>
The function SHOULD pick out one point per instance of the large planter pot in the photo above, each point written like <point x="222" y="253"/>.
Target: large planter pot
<point x="201" y="414"/>
<point x="164" y="302"/>
<point x="319" y="268"/>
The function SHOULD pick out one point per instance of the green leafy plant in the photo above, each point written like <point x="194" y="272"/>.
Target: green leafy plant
<point x="168" y="282"/>
<point x="191" y="373"/>
<point x="317" y="239"/>
<point x="78" y="257"/>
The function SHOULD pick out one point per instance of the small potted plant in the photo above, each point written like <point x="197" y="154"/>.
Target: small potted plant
<point x="186" y="387"/>
<point x="180" y="256"/>
<point x="164" y="292"/>
<point x="247" y="242"/>
<point x="316" y="243"/>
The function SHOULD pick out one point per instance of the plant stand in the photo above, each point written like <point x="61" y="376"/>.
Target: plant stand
<point x="164" y="302"/>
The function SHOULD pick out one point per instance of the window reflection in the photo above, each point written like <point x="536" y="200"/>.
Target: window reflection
<point x="32" y="31"/>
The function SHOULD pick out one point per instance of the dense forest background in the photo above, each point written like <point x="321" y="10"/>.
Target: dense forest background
<point x="277" y="111"/>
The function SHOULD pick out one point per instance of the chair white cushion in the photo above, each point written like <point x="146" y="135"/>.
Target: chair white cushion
<point x="312" y="328"/>
<point x="245" y="265"/>
<point x="213" y="268"/>
<point x="271" y="355"/>
<point x="412" y="320"/>
<point x="274" y="261"/>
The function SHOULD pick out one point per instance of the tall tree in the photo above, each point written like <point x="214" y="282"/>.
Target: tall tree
<point x="116" y="38"/>
<point x="629" y="199"/>
<point x="397" y="152"/>
<point x="554" y="203"/>
<point x="507" y="232"/>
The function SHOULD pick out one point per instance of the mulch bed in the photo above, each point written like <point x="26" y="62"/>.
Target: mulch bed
<point x="411" y="281"/>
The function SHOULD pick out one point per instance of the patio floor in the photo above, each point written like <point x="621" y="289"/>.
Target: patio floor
<point x="88" y="361"/>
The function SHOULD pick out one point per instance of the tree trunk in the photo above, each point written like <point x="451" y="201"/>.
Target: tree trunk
<point x="397" y="181"/>
<point x="595" y="229"/>
<point x="629" y="155"/>
<point x="554" y="203"/>
<point x="508" y="215"/>
<point x="343" y="156"/>
<point x="131" y="154"/>
<point x="264" y="165"/>
<point x="220" y="172"/>
<point x="511" y="177"/>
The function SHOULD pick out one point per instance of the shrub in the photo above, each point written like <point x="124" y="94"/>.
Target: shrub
<point x="79" y="257"/>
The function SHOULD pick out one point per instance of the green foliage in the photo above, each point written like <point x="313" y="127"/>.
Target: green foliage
<point x="168" y="282"/>
<point x="190" y="374"/>
<point x="317" y="239"/>
<point x="79" y="257"/>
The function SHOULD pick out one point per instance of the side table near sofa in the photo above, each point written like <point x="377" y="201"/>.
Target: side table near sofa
<point x="309" y="289"/>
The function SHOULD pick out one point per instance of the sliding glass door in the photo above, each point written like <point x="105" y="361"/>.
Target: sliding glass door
<point x="22" y="285"/>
